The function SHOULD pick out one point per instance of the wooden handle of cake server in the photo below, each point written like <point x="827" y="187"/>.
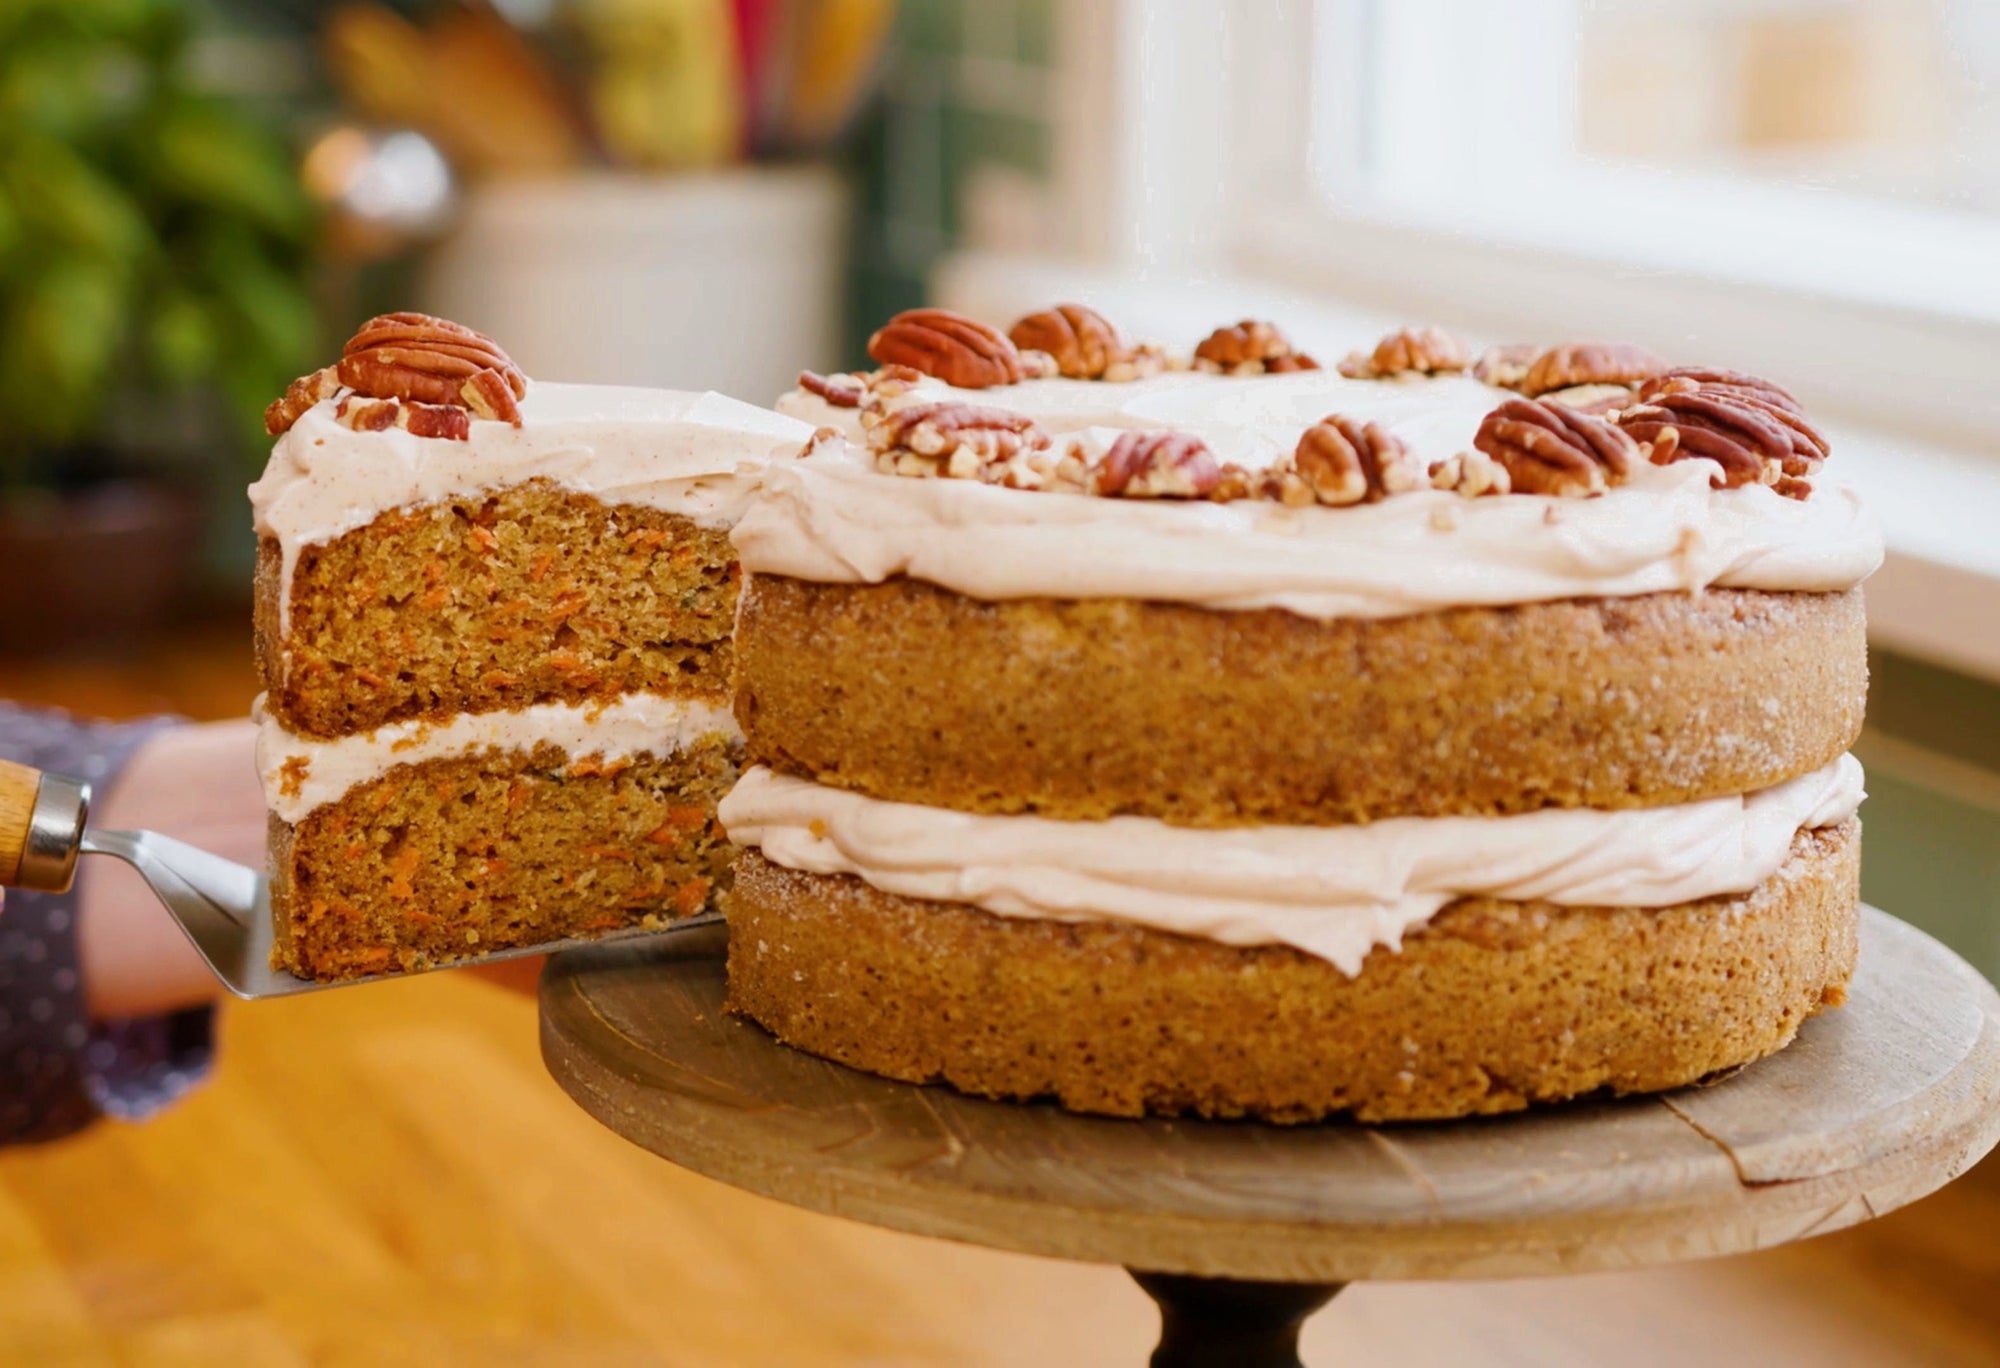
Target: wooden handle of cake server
<point x="41" y="824"/>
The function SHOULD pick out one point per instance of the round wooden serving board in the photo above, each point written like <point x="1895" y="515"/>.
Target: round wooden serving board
<point x="1873" y="1106"/>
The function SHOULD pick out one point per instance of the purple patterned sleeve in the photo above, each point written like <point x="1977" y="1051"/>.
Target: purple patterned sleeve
<point x="59" y="1070"/>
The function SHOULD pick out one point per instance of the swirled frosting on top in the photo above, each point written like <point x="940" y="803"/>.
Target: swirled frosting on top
<point x="666" y="449"/>
<point x="834" y="519"/>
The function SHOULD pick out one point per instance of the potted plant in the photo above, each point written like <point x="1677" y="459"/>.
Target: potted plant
<point x="153" y="248"/>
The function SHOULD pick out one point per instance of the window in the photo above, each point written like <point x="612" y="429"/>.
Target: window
<point x="1845" y="147"/>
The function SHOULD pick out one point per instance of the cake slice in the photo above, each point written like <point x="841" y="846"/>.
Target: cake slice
<point x="493" y="627"/>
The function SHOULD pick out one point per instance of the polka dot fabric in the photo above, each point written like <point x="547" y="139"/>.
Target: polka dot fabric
<point x="59" y="1070"/>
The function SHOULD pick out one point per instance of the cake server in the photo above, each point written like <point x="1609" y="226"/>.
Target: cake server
<point x="223" y="908"/>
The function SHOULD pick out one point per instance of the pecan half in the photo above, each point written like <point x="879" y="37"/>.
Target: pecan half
<point x="1747" y="440"/>
<point x="841" y="391"/>
<point x="1339" y="462"/>
<point x="962" y="352"/>
<point x="952" y="440"/>
<point x="1505" y="367"/>
<point x="433" y="361"/>
<point x="1157" y="465"/>
<point x="1548" y="449"/>
<point x="299" y="396"/>
<point x="1808" y="444"/>
<point x="1080" y="340"/>
<point x="1250" y="348"/>
<point x="1589" y="363"/>
<point x="1427" y="351"/>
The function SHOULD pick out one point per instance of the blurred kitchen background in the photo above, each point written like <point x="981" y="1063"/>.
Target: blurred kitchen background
<point x="200" y="198"/>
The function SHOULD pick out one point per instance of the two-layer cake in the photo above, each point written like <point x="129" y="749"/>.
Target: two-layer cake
<point x="493" y="624"/>
<point x="1421" y="738"/>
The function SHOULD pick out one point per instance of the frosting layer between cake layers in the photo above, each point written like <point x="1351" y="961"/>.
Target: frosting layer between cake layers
<point x="301" y="774"/>
<point x="834" y="519"/>
<point x="667" y="449"/>
<point x="1336" y="891"/>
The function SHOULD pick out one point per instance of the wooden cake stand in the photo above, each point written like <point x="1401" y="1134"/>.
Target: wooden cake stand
<point x="1239" y="1230"/>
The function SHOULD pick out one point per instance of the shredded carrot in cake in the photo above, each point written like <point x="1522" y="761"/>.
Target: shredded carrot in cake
<point x="691" y="896"/>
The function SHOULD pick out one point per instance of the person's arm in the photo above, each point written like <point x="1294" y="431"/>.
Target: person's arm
<point x="63" y="1064"/>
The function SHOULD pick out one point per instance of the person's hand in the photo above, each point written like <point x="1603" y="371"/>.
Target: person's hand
<point x="197" y="784"/>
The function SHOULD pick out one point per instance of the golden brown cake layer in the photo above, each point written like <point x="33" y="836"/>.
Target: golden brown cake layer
<point x="456" y="857"/>
<point x="529" y="595"/>
<point x="1489" y="1007"/>
<point x="1084" y="709"/>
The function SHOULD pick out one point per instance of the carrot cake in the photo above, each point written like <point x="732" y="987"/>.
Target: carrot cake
<point x="493" y="626"/>
<point x="1426" y="735"/>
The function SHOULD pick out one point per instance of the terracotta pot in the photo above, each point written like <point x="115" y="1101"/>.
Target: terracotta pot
<point x="95" y="566"/>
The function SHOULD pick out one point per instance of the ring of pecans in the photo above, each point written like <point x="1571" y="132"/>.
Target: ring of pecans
<point x="1589" y="414"/>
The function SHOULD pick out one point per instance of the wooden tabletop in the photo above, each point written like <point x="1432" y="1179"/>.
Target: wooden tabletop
<point x="388" y="1176"/>
<point x="1873" y="1106"/>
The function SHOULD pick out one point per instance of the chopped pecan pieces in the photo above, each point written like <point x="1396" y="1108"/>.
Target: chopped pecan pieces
<point x="1548" y="449"/>
<point x="960" y="351"/>
<point x="432" y="361"/>
<point x="1157" y="465"/>
<point x="1250" y="348"/>
<point x="1589" y="363"/>
<point x="301" y="395"/>
<point x="1471" y="473"/>
<point x="445" y="421"/>
<point x="1505" y="367"/>
<point x="952" y="440"/>
<point x="822" y="438"/>
<point x="1427" y="351"/>
<point x="1081" y="341"/>
<point x="1339" y="462"/>
<point x="841" y="391"/>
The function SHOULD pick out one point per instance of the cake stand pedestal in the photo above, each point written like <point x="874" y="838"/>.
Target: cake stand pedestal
<point x="1239" y="1230"/>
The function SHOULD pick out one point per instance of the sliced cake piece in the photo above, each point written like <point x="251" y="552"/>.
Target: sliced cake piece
<point x="493" y="625"/>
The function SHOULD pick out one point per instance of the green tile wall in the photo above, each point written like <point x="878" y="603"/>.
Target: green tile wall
<point x="1932" y="851"/>
<point x="967" y="83"/>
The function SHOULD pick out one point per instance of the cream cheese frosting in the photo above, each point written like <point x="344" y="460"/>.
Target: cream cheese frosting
<point x="833" y="519"/>
<point x="301" y="774"/>
<point x="665" y="449"/>
<point x="1337" y="892"/>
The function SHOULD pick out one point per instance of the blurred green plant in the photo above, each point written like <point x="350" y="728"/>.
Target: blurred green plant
<point x="153" y="238"/>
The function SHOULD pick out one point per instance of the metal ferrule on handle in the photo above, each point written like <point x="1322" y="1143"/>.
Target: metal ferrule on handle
<point x="42" y="818"/>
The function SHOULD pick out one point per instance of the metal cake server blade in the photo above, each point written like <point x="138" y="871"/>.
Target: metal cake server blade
<point x="222" y="907"/>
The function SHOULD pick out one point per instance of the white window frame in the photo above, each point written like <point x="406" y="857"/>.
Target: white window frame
<point x="1593" y="247"/>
